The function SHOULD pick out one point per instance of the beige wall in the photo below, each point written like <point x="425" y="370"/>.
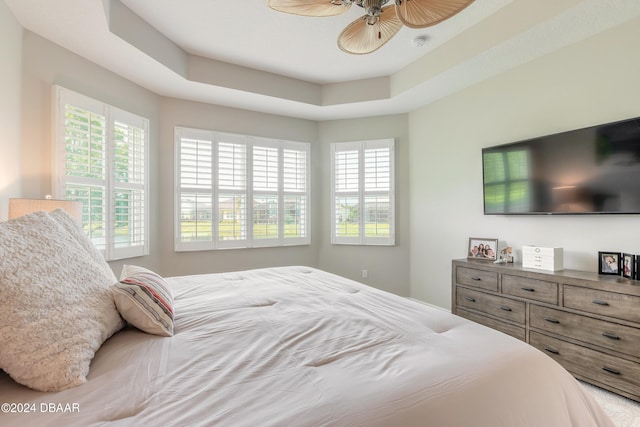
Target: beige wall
<point x="387" y="266"/>
<point x="439" y="176"/>
<point x="592" y="82"/>
<point x="46" y="64"/>
<point x="10" y="107"/>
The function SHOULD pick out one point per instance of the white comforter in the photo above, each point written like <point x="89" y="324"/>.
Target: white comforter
<point x="296" y="346"/>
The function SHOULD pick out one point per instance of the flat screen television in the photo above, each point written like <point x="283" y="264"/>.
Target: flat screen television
<point x="595" y="170"/>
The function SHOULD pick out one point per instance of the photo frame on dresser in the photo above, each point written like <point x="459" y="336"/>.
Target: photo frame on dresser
<point x="629" y="266"/>
<point x="482" y="248"/>
<point x="609" y="263"/>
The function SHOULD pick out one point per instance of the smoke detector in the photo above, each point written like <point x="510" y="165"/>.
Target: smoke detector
<point x="419" y="41"/>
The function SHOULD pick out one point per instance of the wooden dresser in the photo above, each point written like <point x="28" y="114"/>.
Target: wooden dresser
<point x="587" y="322"/>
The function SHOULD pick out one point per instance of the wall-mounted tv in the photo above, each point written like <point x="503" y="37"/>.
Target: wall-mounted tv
<point x="595" y="170"/>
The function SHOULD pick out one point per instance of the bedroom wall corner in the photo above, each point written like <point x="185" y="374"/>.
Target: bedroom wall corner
<point x="46" y="64"/>
<point x="591" y="82"/>
<point x="387" y="266"/>
<point x="10" y="107"/>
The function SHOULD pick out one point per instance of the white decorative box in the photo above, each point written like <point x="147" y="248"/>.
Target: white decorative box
<point x="542" y="258"/>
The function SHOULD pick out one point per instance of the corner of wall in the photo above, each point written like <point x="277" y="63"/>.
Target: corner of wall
<point x="10" y="107"/>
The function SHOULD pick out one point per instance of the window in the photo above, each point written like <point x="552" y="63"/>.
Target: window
<point x="362" y="192"/>
<point x="237" y="191"/>
<point x="100" y="159"/>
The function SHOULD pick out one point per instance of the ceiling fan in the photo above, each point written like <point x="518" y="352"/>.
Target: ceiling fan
<point x="371" y="31"/>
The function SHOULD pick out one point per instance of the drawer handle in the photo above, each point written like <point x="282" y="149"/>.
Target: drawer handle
<point x="553" y="351"/>
<point x="550" y="320"/>
<point x="476" y="278"/>
<point x="528" y="289"/>
<point x="600" y="302"/>
<point x="610" y="336"/>
<point x="611" y="370"/>
<point x="470" y="299"/>
<point x="505" y="308"/>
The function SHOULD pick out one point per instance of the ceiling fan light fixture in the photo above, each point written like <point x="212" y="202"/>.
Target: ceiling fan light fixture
<point x="371" y="31"/>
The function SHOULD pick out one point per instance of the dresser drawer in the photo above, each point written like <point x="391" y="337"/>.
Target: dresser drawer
<point x="501" y="307"/>
<point x="581" y="361"/>
<point x="533" y="289"/>
<point x="487" y="280"/>
<point x="619" y="338"/>
<point x="605" y="303"/>
<point x="507" y="328"/>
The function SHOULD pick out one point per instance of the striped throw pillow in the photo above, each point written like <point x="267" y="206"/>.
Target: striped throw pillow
<point x="144" y="299"/>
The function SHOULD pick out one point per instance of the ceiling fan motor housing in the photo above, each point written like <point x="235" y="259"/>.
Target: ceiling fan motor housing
<point x="371" y="6"/>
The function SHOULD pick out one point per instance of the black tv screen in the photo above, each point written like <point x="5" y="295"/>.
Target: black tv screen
<point x="595" y="170"/>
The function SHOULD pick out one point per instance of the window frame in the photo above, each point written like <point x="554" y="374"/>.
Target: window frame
<point x="112" y="250"/>
<point x="361" y="192"/>
<point x="248" y="193"/>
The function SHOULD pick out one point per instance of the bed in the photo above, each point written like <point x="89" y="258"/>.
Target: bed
<point x="288" y="346"/>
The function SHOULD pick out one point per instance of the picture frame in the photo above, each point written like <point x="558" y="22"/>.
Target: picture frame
<point x="506" y="254"/>
<point x="482" y="248"/>
<point x="628" y="266"/>
<point x="609" y="263"/>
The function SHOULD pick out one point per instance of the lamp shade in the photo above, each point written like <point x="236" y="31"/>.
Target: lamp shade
<point x="20" y="207"/>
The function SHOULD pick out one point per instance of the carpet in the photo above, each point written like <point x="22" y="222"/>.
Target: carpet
<point x="624" y="412"/>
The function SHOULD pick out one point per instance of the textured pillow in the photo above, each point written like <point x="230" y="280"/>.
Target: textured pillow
<point x="74" y="228"/>
<point x="56" y="304"/>
<point x="145" y="300"/>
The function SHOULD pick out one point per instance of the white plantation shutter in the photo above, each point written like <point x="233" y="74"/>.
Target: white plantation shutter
<point x="377" y="190"/>
<point x="346" y="175"/>
<point x="347" y="165"/>
<point x="194" y="195"/>
<point x="266" y="179"/>
<point x="232" y="191"/>
<point x="295" y="188"/>
<point x="265" y="169"/>
<point x="100" y="160"/>
<point x="129" y="187"/>
<point x="82" y="176"/>
<point x="258" y="194"/>
<point x="362" y="184"/>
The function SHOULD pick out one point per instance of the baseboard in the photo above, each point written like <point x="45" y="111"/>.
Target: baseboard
<point x="430" y="305"/>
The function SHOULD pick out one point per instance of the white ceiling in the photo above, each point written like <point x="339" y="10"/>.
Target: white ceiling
<point x="290" y="65"/>
<point x="251" y="34"/>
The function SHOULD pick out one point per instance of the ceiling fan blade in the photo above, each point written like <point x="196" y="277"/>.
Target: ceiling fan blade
<point x="359" y="37"/>
<point x="424" y="13"/>
<point x="309" y="7"/>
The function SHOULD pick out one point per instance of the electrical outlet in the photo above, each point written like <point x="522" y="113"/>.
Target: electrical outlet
<point x="365" y="274"/>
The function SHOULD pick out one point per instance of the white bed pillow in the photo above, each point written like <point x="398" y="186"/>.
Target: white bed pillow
<point x="74" y="228"/>
<point x="56" y="304"/>
<point x="144" y="299"/>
